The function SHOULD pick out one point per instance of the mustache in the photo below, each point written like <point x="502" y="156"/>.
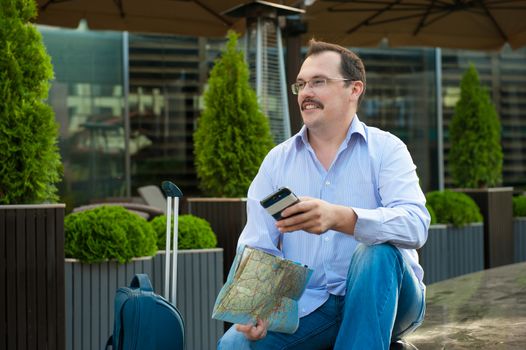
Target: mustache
<point x="311" y="101"/>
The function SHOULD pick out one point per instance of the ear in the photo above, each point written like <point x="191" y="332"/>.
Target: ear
<point x="356" y="90"/>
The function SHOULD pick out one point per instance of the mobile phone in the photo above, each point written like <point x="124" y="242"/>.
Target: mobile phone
<point x="278" y="201"/>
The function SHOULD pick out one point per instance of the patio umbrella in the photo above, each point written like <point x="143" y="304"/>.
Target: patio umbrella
<point x="467" y="24"/>
<point x="184" y="17"/>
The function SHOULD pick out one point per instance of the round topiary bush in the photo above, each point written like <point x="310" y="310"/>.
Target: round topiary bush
<point x="453" y="208"/>
<point x="193" y="232"/>
<point x="519" y="206"/>
<point x="107" y="233"/>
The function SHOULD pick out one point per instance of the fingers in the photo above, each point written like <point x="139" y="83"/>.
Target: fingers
<point x="311" y="215"/>
<point x="257" y="332"/>
<point x="306" y="215"/>
<point x="310" y="227"/>
<point x="244" y="328"/>
<point x="293" y="214"/>
<point x="303" y="205"/>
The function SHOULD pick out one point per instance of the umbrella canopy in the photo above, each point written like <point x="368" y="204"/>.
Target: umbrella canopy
<point x="184" y="17"/>
<point x="467" y="24"/>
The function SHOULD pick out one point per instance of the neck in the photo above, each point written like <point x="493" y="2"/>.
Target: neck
<point x="332" y="134"/>
<point x="326" y="142"/>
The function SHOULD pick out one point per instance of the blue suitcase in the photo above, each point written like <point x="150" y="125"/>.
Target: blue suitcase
<point x="143" y="319"/>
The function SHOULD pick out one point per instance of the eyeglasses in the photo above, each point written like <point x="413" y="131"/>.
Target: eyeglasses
<point x="316" y="83"/>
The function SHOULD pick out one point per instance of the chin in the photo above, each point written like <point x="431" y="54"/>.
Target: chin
<point x="310" y="122"/>
<point x="311" y="113"/>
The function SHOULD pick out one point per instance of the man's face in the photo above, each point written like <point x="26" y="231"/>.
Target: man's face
<point x="324" y="105"/>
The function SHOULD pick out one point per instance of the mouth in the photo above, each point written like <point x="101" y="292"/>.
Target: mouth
<point x="308" y="105"/>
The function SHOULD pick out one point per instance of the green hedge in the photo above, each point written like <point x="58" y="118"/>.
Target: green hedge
<point x="519" y="206"/>
<point x="432" y="214"/>
<point x="454" y="208"/>
<point x="108" y="233"/>
<point x="193" y="232"/>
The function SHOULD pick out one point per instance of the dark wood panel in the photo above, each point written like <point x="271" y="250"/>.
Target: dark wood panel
<point x="41" y="279"/>
<point x="3" y="281"/>
<point x="21" y="289"/>
<point x="496" y="208"/>
<point x="31" y="270"/>
<point x="51" y="269"/>
<point x="58" y="232"/>
<point x="519" y="230"/>
<point x="11" y="273"/>
<point x="227" y="219"/>
<point x="31" y="288"/>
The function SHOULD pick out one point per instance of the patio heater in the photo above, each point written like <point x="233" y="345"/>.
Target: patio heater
<point x="264" y="54"/>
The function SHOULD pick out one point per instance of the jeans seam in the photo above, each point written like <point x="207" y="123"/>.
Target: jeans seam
<point x="386" y="295"/>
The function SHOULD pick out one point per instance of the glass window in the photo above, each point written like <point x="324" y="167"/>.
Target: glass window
<point x="167" y="79"/>
<point x="87" y="97"/>
<point x="401" y="98"/>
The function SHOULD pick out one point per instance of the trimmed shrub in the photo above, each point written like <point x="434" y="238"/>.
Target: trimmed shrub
<point x="107" y="233"/>
<point x="475" y="157"/>
<point x="519" y="206"/>
<point x="193" y="232"/>
<point x="455" y="208"/>
<point x="233" y="135"/>
<point x="30" y="163"/>
<point x="432" y="214"/>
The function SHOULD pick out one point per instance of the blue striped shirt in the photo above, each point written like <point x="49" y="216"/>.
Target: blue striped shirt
<point x="373" y="173"/>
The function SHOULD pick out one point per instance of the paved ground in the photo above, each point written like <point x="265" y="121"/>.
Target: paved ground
<point x="483" y="310"/>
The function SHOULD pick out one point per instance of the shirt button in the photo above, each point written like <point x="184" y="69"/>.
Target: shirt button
<point x="326" y="239"/>
<point x="327" y="183"/>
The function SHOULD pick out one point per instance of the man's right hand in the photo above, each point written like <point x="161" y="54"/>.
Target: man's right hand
<point x="317" y="216"/>
<point x="257" y="332"/>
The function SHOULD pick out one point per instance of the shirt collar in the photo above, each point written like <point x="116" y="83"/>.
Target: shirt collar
<point x="356" y="127"/>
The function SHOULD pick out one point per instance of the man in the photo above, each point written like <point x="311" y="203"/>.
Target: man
<point x="361" y="216"/>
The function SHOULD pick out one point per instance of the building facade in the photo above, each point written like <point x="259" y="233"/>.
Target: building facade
<point x="127" y="106"/>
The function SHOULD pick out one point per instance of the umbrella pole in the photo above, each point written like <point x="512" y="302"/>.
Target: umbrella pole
<point x="440" y="118"/>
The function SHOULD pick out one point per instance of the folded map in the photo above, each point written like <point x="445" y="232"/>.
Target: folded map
<point x="262" y="286"/>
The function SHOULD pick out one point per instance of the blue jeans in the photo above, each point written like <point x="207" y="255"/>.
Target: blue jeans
<point x="383" y="303"/>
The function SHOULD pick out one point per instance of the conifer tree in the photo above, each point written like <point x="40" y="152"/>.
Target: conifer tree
<point x="233" y="135"/>
<point x="29" y="160"/>
<point x="476" y="153"/>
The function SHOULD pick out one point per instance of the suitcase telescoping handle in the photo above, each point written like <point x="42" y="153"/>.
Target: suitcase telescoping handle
<point x="173" y="193"/>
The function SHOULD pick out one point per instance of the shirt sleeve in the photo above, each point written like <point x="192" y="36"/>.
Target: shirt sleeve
<point x="260" y="230"/>
<point x="402" y="219"/>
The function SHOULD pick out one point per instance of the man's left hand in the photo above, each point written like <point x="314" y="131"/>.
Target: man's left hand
<point x="254" y="332"/>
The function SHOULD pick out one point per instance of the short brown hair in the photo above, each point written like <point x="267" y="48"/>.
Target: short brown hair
<point x="351" y="65"/>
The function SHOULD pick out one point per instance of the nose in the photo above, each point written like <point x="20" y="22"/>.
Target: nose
<point x="306" y="91"/>
<point x="306" y="94"/>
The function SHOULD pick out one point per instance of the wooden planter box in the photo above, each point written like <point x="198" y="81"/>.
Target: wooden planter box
<point x="519" y="233"/>
<point x="32" y="277"/>
<point x="496" y="206"/>
<point x="90" y="292"/>
<point x="199" y="280"/>
<point x="451" y="251"/>
<point x="227" y="216"/>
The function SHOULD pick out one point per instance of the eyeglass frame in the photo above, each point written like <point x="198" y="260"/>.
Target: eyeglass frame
<point x="295" y="87"/>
